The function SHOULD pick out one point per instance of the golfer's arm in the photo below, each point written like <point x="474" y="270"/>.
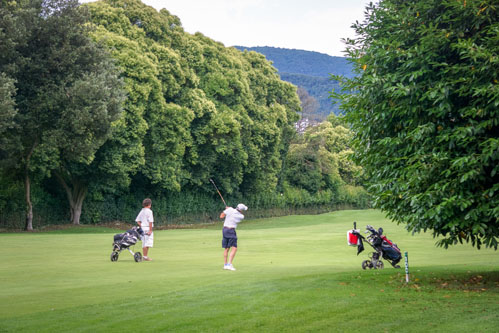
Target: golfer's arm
<point x="222" y="215"/>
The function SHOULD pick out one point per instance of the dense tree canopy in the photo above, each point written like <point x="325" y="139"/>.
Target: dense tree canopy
<point x="67" y="91"/>
<point x="426" y="114"/>
<point x="319" y="159"/>
<point x="209" y="111"/>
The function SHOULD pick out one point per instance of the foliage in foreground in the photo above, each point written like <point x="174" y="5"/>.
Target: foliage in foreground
<point x="426" y="115"/>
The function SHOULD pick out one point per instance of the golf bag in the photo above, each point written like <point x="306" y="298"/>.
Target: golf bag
<point x="124" y="241"/>
<point x="383" y="247"/>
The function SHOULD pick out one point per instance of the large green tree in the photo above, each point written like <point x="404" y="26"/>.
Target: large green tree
<point x="67" y="92"/>
<point x="425" y="110"/>
<point x="208" y="111"/>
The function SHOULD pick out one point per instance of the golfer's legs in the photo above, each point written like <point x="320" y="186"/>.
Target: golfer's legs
<point x="232" y="254"/>
<point x="226" y="252"/>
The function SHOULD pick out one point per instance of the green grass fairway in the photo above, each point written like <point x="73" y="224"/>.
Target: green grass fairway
<point x="294" y="274"/>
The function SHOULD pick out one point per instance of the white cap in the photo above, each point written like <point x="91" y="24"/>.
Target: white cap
<point x="241" y="207"/>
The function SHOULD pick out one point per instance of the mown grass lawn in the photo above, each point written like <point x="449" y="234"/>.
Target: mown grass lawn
<point x="294" y="274"/>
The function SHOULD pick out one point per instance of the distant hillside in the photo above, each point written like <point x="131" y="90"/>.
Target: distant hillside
<point x="303" y="62"/>
<point x="309" y="70"/>
<point x="317" y="87"/>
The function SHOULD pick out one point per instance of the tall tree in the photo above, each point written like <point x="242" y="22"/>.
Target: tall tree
<point x="68" y="91"/>
<point x="156" y="126"/>
<point x="209" y="111"/>
<point x="425" y="112"/>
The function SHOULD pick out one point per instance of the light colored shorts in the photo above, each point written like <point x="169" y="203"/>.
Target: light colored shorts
<point x="147" y="241"/>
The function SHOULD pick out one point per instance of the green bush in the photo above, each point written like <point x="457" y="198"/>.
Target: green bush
<point x="185" y="207"/>
<point x="356" y="196"/>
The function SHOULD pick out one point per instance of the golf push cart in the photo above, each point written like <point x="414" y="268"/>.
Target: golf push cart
<point x="383" y="247"/>
<point x="124" y="241"/>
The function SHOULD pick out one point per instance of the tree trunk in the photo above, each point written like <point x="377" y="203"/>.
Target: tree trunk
<point x="29" y="205"/>
<point x="27" y="191"/>
<point x="76" y="194"/>
<point x="79" y="193"/>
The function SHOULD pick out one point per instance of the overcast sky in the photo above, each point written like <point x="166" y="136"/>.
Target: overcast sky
<point x="312" y="25"/>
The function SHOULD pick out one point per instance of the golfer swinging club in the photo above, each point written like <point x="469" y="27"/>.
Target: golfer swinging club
<point x="229" y="240"/>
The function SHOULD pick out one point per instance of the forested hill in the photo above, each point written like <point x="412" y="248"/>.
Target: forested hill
<point x="303" y="62"/>
<point x="310" y="71"/>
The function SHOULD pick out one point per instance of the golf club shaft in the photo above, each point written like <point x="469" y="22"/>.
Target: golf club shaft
<point x="216" y="188"/>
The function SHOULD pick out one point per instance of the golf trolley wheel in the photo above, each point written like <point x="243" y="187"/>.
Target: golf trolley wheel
<point x="114" y="256"/>
<point x="367" y="264"/>
<point x="380" y="265"/>
<point x="137" y="256"/>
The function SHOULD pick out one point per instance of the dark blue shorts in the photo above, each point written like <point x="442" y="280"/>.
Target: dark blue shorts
<point x="229" y="238"/>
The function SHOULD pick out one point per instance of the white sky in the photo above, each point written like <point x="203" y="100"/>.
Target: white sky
<point x="312" y="25"/>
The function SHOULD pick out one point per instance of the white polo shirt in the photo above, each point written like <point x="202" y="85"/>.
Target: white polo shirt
<point x="145" y="216"/>
<point x="232" y="217"/>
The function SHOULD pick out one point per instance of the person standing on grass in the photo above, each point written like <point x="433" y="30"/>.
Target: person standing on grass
<point x="229" y="240"/>
<point x="145" y="220"/>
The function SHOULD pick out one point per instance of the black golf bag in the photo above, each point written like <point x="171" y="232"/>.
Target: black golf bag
<point x="383" y="247"/>
<point x="124" y="240"/>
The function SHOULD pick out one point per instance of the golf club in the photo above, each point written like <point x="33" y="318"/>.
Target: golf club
<point x="211" y="180"/>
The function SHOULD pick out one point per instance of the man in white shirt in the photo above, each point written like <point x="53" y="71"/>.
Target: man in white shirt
<point x="145" y="220"/>
<point x="229" y="240"/>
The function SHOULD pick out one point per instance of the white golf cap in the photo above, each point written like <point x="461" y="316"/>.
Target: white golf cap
<point x="241" y="207"/>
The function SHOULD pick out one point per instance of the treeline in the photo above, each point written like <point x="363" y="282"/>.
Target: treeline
<point x="110" y="102"/>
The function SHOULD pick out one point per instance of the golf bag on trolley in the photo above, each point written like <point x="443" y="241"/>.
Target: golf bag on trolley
<point x="124" y="241"/>
<point x="383" y="247"/>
